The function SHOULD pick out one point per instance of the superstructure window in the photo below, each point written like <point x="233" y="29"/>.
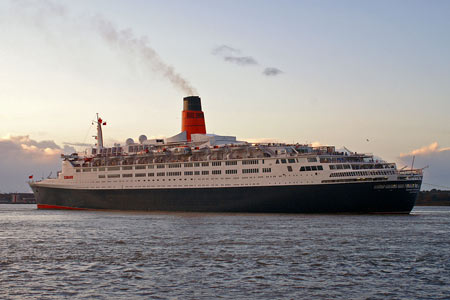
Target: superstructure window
<point x="173" y="173"/>
<point x="113" y="175"/>
<point x="127" y="168"/>
<point x="140" y="167"/>
<point x="320" y="168"/>
<point x="196" y="172"/>
<point x="196" y="164"/>
<point x="160" y="166"/>
<point x="151" y="166"/>
<point x="312" y="159"/>
<point x="188" y="173"/>
<point x="308" y="168"/>
<point x="127" y="175"/>
<point x="216" y="163"/>
<point x="216" y="172"/>
<point x="140" y="175"/>
<point x="291" y="160"/>
<point x="283" y="161"/>
<point x="205" y="164"/>
<point x="188" y="165"/>
<point x="101" y="176"/>
<point x="247" y="171"/>
<point x="267" y="170"/>
<point x="205" y="172"/>
<point x="230" y="171"/>
<point x="174" y="166"/>
<point x="231" y="163"/>
<point x="113" y="168"/>
<point x="313" y="168"/>
<point x="151" y="174"/>
<point x="160" y="174"/>
<point x="289" y="168"/>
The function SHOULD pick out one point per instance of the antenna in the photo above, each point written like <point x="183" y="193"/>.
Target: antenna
<point x="412" y="165"/>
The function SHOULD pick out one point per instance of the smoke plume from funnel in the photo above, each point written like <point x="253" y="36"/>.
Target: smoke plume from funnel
<point x="126" y="41"/>
<point x="41" y="12"/>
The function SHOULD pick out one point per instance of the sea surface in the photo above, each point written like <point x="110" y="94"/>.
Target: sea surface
<point x="126" y="255"/>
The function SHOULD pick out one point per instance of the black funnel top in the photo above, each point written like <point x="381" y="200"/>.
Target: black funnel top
<point x="192" y="103"/>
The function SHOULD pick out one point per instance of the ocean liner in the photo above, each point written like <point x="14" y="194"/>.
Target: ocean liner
<point x="198" y="172"/>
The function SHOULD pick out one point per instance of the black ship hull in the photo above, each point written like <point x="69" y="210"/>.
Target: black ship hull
<point x="323" y="198"/>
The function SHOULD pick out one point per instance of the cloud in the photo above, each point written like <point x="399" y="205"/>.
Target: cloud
<point x="234" y="56"/>
<point x="22" y="156"/>
<point x="432" y="148"/>
<point x="438" y="161"/>
<point x="272" y="71"/>
<point x="241" y="60"/>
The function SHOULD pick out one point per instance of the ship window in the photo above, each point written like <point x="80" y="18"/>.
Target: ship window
<point x="113" y="175"/>
<point x="313" y="168"/>
<point x="230" y="171"/>
<point x="188" y="173"/>
<point x="308" y="168"/>
<point x="320" y="168"/>
<point x="231" y="163"/>
<point x="205" y="164"/>
<point x="188" y="165"/>
<point x="346" y="166"/>
<point x="78" y="170"/>
<point x="267" y="170"/>
<point x="278" y="161"/>
<point x="140" y="175"/>
<point x="161" y="166"/>
<point x="216" y="172"/>
<point x="312" y="159"/>
<point x="302" y="169"/>
<point x="291" y="160"/>
<point x="196" y="172"/>
<point x="196" y="164"/>
<point x="87" y="170"/>
<point x="216" y="163"/>
<point x="151" y="174"/>
<point x="283" y="161"/>
<point x="101" y="176"/>
<point x="289" y="168"/>
<point x="160" y="174"/>
<point x="127" y="175"/>
<point x="332" y="167"/>
<point x="339" y="167"/>
<point x="127" y="168"/>
<point x="101" y="169"/>
<point x="174" y="166"/>
<point x="151" y="166"/>
<point x="139" y="167"/>
<point x="250" y="162"/>
<point x="205" y="172"/>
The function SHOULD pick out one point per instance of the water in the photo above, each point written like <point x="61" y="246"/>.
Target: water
<point x="118" y="255"/>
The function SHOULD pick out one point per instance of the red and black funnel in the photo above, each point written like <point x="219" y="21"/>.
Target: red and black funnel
<point x="193" y="120"/>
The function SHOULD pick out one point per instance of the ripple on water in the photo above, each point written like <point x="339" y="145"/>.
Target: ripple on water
<point x="104" y="255"/>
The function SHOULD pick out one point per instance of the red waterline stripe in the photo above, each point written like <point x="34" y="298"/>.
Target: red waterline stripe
<point x="46" y="206"/>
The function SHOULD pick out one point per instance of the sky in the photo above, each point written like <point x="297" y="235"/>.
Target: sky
<point x="373" y="76"/>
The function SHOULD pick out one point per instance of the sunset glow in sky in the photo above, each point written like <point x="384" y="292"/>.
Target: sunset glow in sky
<point x="372" y="76"/>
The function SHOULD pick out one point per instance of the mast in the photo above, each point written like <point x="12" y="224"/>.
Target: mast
<point x="99" y="136"/>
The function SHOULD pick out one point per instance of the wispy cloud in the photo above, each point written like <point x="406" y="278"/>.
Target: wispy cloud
<point x="235" y="56"/>
<point x="272" y="71"/>
<point x="432" y="148"/>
